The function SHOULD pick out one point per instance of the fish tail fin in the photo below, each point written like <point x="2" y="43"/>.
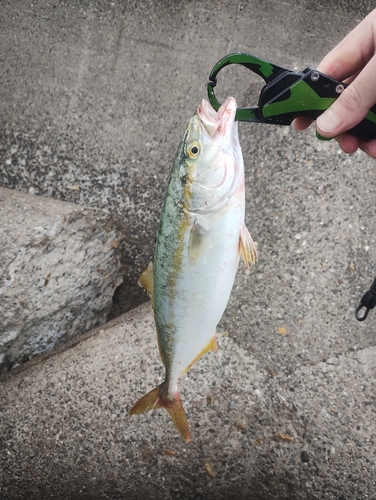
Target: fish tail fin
<point x="157" y="399"/>
<point x="177" y="413"/>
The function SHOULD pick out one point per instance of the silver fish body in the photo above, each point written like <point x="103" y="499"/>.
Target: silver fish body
<point x="200" y="239"/>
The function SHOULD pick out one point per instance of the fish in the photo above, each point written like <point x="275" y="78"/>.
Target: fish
<point x="200" y="239"/>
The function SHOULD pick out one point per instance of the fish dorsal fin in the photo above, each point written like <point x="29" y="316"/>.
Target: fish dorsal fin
<point x="146" y="280"/>
<point x="247" y="247"/>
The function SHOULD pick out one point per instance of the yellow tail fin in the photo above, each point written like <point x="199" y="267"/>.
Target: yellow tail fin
<point x="155" y="399"/>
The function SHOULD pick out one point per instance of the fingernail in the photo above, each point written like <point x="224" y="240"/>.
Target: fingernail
<point x="328" y="121"/>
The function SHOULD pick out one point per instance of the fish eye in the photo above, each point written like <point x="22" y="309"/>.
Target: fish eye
<point x="193" y="150"/>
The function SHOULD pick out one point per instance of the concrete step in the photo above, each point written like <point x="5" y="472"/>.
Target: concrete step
<point x="59" y="267"/>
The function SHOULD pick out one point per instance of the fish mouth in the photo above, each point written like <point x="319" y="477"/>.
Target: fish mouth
<point x="217" y="122"/>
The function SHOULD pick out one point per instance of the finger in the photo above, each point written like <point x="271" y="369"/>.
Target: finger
<point x="369" y="148"/>
<point x="351" y="78"/>
<point x="301" y="123"/>
<point x="352" y="105"/>
<point x="348" y="143"/>
<point x="353" y="52"/>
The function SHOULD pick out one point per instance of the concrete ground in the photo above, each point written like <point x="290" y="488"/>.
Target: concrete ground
<point x="303" y="431"/>
<point x="94" y="100"/>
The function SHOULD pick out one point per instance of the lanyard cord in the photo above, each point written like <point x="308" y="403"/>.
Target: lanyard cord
<point x="368" y="301"/>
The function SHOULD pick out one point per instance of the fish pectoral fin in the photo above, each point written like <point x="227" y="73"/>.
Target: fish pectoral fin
<point x="247" y="247"/>
<point x="196" y="239"/>
<point x="157" y="398"/>
<point x="146" y="279"/>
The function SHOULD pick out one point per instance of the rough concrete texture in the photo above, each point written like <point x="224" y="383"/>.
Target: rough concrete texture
<point x="302" y="433"/>
<point x="59" y="267"/>
<point x="97" y="96"/>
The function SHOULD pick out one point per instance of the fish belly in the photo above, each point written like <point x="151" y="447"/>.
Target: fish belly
<point x="188" y="313"/>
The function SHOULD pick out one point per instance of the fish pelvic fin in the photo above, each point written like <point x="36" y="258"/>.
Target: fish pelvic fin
<point x="157" y="398"/>
<point x="247" y="247"/>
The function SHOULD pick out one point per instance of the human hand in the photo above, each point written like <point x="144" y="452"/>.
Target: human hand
<point x="353" y="61"/>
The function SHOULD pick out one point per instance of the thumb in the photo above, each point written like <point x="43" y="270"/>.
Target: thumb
<point x="351" y="106"/>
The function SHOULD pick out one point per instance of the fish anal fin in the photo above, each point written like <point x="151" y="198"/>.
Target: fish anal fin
<point x="146" y="279"/>
<point x="157" y="398"/>
<point x="211" y="346"/>
<point x="247" y="247"/>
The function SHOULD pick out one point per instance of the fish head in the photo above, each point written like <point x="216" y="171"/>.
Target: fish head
<point x="213" y="156"/>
